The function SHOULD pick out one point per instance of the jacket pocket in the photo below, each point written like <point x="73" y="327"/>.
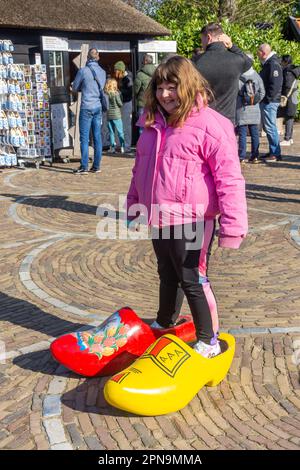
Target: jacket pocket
<point x="185" y="177"/>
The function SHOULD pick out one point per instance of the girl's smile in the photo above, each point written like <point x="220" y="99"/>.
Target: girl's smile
<point x="166" y="95"/>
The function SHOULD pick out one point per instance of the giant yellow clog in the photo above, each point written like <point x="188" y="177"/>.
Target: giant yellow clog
<point x="167" y="376"/>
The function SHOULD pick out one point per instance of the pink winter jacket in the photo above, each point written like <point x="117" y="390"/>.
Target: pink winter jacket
<point x="196" y="165"/>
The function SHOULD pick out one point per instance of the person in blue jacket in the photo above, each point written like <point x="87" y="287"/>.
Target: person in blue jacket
<point x="90" y="80"/>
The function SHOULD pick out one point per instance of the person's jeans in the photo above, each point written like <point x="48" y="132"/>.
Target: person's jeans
<point x="90" y="119"/>
<point x="140" y="113"/>
<point x="254" y="133"/>
<point x="126" y="111"/>
<point x="115" y="124"/>
<point x="269" y="114"/>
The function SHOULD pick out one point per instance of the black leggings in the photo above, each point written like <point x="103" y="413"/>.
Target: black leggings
<point x="183" y="271"/>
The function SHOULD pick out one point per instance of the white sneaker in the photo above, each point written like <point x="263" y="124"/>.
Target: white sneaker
<point x="285" y="143"/>
<point x="122" y="150"/>
<point x="156" y="325"/>
<point x="207" y="350"/>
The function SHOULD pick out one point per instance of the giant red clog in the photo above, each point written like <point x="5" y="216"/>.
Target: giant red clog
<point x="107" y="349"/>
<point x="113" y="345"/>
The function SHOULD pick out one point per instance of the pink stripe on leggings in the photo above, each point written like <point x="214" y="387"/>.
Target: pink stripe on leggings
<point x="209" y="226"/>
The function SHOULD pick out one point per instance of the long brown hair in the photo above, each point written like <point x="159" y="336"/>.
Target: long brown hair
<point x="190" y="87"/>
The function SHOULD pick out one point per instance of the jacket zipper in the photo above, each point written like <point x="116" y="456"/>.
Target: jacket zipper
<point x="159" y="149"/>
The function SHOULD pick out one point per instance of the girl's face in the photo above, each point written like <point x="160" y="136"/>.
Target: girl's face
<point x="166" y="95"/>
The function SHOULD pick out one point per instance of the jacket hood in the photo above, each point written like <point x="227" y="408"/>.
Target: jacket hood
<point x="249" y="73"/>
<point x="294" y="69"/>
<point x="148" y="69"/>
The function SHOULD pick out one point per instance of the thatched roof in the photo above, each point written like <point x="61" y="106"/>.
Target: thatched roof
<point x="90" y="16"/>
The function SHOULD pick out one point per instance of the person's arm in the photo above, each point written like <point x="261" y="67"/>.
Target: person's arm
<point x="261" y="90"/>
<point x="132" y="196"/>
<point x="76" y="86"/>
<point x="275" y="81"/>
<point x="230" y="187"/>
<point x="246" y="62"/>
<point x="119" y="100"/>
<point x="137" y="85"/>
<point x="102" y="79"/>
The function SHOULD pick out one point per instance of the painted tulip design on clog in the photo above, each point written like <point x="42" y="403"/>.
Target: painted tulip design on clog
<point x="167" y="376"/>
<point x="107" y="349"/>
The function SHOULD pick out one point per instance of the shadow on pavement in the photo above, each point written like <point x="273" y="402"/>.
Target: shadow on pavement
<point x="62" y="203"/>
<point x="27" y="315"/>
<point x="257" y="191"/>
<point x="42" y="362"/>
<point x="79" y="399"/>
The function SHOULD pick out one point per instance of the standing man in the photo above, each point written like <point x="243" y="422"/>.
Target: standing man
<point x="272" y="76"/>
<point x="90" y="80"/>
<point x="222" y="64"/>
<point x="142" y="81"/>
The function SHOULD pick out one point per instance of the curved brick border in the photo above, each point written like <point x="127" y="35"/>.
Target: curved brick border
<point x="26" y="279"/>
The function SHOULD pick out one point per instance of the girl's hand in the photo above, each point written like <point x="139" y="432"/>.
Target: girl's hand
<point x="132" y="225"/>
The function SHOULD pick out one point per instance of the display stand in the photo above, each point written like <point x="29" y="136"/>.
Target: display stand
<point x="11" y="106"/>
<point x="37" y="116"/>
<point x="25" y="126"/>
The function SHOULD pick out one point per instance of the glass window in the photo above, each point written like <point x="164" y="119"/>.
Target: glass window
<point x="56" y="69"/>
<point x="51" y="58"/>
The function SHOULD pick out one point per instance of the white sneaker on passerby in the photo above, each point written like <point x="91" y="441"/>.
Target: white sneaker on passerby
<point x="122" y="150"/>
<point x="207" y="350"/>
<point x="156" y="325"/>
<point x="285" y="143"/>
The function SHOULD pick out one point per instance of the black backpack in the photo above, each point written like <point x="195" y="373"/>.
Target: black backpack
<point x="250" y="95"/>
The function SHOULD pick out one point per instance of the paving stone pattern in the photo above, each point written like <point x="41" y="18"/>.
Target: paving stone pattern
<point x="57" y="276"/>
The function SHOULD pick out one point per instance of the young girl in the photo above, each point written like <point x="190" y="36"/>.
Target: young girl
<point x="187" y="172"/>
<point x="114" y="119"/>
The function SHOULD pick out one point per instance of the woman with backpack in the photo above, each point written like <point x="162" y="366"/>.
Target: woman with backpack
<point x="291" y="75"/>
<point x="251" y="92"/>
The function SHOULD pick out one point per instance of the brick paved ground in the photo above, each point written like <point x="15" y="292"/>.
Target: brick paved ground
<point x="57" y="276"/>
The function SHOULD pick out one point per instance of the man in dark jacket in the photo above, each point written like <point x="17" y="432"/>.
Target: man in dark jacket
<point x="271" y="74"/>
<point x="222" y="64"/>
<point x="141" y="82"/>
